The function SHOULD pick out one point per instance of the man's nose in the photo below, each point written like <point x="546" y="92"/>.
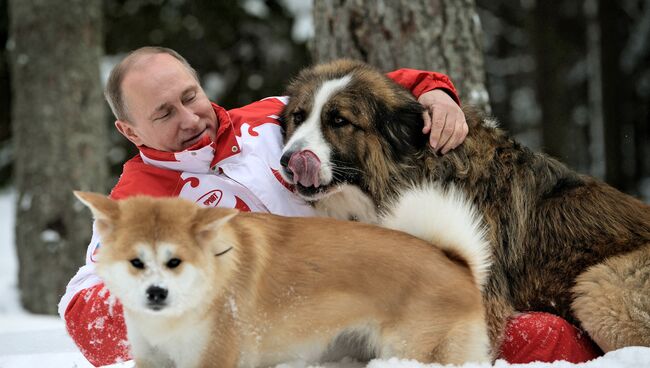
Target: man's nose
<point x="189" y="119"/>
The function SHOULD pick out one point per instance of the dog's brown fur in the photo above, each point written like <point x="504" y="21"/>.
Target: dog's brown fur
<point x="562" y="242"/>
<point x="286" y="282"/>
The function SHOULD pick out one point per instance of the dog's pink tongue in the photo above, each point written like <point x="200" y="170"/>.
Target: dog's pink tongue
<point x="305" y="166"/>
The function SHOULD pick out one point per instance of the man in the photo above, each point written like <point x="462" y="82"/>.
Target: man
<point x="195" y="149"/>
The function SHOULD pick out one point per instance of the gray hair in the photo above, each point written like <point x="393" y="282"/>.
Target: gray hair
<point x="113" y="91"/>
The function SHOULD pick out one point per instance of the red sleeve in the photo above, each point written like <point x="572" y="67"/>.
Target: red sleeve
<point x="543" y="337"/>
<point x="95" y="322"/>
<point x="420" y="81"/>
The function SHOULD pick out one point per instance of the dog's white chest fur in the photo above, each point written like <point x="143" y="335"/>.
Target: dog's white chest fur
<point x="176" y="344"/>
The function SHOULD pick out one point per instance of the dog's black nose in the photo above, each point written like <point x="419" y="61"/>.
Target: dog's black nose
<point x="284" y="161"/>
<point x="156" y="295"/>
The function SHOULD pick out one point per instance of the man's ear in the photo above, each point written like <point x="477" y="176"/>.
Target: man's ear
<point x="105" y="210"/>
<point x="128" y="132"/>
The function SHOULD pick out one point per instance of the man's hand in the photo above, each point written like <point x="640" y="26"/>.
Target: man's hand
<point x="444" y="120"/>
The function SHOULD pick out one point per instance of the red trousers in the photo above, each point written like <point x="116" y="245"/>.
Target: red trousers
<point x="543" y="337"/>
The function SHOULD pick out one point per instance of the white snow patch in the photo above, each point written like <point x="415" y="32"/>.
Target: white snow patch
<point x="8" y="259"/>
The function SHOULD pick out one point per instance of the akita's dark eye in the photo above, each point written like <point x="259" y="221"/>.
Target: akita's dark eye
<point x="298" y="117"/>
<point x="173" y="263"/>
<point x="137" y="263"/>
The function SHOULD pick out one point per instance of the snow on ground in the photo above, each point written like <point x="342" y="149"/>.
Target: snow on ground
<point x="28" y="340"/>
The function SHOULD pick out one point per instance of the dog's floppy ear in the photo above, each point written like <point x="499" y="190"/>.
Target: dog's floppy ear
<point x="105" y="210"/>
<point x="401" y="125"/>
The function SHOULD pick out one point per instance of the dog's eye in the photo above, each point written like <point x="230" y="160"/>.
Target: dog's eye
<point x="173" y="263"/>
<point x="137" y="263"/>
<point x="298" y="117"/>
<point x="339" y="121"/>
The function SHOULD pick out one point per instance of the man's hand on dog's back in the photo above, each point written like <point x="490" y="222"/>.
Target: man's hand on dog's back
<point x="443" y="120"/>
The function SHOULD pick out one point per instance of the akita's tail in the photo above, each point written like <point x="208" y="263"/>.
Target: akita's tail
<point x="447" y="219"/>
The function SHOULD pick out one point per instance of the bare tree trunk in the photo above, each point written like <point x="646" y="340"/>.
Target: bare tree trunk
<point x="562" y="137"/>
<point x="626" y="102"/>
<point x="5" y="99"/>
<point x="440" y="35"/>
<point x="59" y="135"/>
<point x="595" y="91"/>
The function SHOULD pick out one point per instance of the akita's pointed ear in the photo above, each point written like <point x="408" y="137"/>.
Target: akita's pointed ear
<point x="105" y="210"/>
<point x="208" y="221"/>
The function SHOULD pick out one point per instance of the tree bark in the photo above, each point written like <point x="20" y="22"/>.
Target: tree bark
<point x="439" y="35"/>
<point x="625" y="108"/>
<point x="595" y="91"/>
<point x="5" y="99"/>
<point x="556" y="43"/>
<point x="60" y="139"/>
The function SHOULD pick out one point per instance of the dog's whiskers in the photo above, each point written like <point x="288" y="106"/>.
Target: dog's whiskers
<point x="345" y="169"/>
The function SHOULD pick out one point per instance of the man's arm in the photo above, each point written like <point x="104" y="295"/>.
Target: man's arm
<point x="93" y="318"/>
<point x="444" y="121"/>
<point x="420" y="81"/>
<point x="95" y="321"/>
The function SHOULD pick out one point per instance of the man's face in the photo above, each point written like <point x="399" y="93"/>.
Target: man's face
<point x="167" y="107"/>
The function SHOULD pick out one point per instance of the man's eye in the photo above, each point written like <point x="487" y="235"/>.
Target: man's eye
<point x="137" y="263"/>
<point x="163" y="117"/>
<point x="190" y="98"/>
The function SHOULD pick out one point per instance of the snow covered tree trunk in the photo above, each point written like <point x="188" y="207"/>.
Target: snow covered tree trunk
<point x="60" y="139"/>
<point x="437" y="35"/>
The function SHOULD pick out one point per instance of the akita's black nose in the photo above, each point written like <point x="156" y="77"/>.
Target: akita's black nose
<point x="156" y="295"/>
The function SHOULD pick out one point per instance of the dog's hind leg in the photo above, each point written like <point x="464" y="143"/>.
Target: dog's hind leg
<point x="436" y="341"/>
<point x="466" y="342"/>
<point x="612" y="300"/>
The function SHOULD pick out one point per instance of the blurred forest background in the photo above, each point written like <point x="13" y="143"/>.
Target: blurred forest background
<point x="543" y="63"/>
<point x="567" y="77"/>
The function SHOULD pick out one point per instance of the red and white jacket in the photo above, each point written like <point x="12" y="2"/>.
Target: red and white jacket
<point x="237" y="170"/>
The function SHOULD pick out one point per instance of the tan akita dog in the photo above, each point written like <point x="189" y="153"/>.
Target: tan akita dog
<point x="212" y="287"/>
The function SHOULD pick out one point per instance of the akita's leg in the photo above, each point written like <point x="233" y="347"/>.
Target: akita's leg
<point x="612" y="300"/>
<point x="223" y="351"/>
<point x="466" y="342"/>
<point x="438" y="339"/>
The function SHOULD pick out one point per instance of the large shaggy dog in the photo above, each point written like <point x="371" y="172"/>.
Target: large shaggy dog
<point x="561" y="242"/>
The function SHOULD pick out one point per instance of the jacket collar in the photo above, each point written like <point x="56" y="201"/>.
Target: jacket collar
<point x="203" y="155"/>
